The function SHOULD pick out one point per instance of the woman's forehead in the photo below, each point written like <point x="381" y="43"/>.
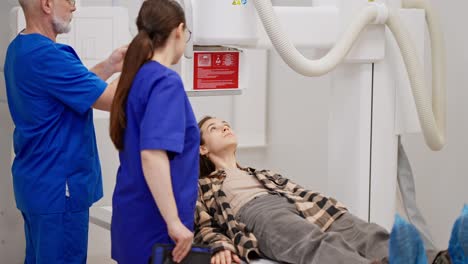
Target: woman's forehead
<point x="213" y="121"/>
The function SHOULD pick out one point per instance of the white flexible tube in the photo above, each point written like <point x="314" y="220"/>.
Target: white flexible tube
<point x="433" y="124"/>
<point x="439" y="95"/>
<point x="431" y="112"/>
<point x="294" y="58"/>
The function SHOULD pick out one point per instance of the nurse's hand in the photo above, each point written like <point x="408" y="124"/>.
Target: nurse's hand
<point x="183" y="239"/>
<point x="225" y="257"/>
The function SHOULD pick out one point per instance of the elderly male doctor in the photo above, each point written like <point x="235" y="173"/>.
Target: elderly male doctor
<point x="56" y="170"/>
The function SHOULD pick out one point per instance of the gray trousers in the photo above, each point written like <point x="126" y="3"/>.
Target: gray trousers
<point x="283" y="235"/>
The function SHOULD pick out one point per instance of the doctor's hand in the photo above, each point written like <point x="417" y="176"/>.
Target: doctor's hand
<point x="183" y="239"/>
<point x="225" y="257"/>
<point x="116" y="59"/>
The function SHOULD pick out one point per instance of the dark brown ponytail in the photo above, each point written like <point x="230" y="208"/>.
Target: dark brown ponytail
<point x="206" y="165"/>
<point x="156" y="20"/>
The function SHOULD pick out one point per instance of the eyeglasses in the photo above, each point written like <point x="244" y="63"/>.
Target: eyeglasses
<point x="72" y="2"/>
<point x="189" y="35"/>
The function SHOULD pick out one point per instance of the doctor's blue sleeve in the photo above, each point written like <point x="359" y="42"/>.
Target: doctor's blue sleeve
<point x="65" y="78"/>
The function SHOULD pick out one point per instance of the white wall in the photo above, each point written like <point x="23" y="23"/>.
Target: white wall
<point x="442" y="177"/>
<point x="297" y="126"/>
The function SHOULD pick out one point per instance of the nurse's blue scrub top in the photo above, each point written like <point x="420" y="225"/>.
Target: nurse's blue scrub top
<point x="159" y="117"/>
<point x="50" y="93"/>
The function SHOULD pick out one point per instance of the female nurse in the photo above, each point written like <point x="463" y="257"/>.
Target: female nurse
<point x="153" y="127"/>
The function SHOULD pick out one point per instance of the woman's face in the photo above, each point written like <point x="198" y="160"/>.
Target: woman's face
<point x="218" y="137"/>
<point x="180" y="43"/>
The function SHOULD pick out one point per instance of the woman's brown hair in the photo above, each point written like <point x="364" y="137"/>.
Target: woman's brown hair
<point x="156" y="21"/>
<point x="206" y="165"/>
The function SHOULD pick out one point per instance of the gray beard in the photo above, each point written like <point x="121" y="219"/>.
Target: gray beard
<point x="60" y="26"/>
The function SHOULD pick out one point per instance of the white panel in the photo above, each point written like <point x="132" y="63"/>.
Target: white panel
<point x="94" y="44"/>
<point x="219" y="106"/>
<point x="350" y="8"/>
<point x="349" y="137"/>
<point x="297" y="126"/>
<point x="370" y="46"/>
<point x="384" y="146"/>
<point x="185" y="69"/>
<point x="303" y="24"/>
<point x="250" y="107"/>
<point x="222" y="23"/>
<point x="133" y="7"/>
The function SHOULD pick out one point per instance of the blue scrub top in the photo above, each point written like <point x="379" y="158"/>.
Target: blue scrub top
<point x="50" y="94"/>
<point x="159" y="117"/>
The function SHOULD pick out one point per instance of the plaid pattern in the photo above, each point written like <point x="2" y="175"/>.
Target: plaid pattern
<point x="216" y="225"/>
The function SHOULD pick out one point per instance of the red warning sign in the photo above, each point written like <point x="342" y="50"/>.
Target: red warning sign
<point x="216" y="70"/>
